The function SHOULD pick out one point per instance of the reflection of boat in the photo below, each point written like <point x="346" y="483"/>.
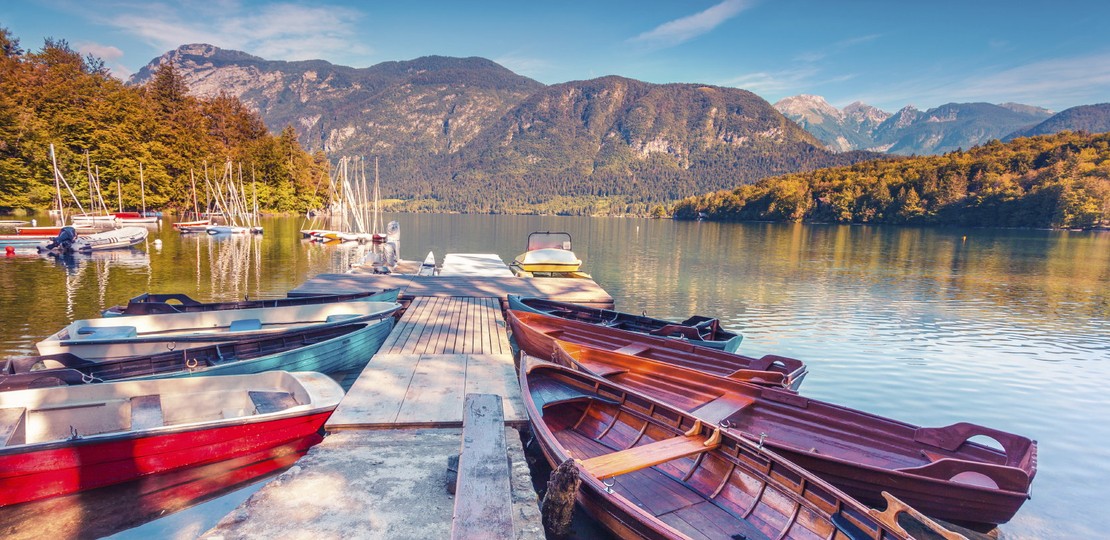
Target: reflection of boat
<point x="535" y="334"/>
<point x="75" y="438"/>
<point x="648" y="470"/>
<point x="115" y="337"/>
<point x="329" y="349"/>
<point x="548" y="253"/>
<point x="150" y="304"/>
<point x="696" y="330"/>
<point x="938" y="471"/>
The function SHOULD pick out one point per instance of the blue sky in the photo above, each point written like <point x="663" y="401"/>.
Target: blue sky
<point x="887" y="53"/>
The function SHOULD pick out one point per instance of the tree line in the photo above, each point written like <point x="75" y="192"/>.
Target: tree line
<point x="1059" y="181"/>
<point x="98" y="124"/>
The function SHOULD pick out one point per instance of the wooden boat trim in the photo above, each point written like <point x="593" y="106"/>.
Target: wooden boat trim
<point x="894" y="506"/>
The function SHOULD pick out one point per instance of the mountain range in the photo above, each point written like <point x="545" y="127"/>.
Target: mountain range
<point x="466" y="134"/>
<point x="942" y="129"/>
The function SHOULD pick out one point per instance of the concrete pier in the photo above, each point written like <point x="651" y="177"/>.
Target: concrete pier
<point x="382" y="470"/>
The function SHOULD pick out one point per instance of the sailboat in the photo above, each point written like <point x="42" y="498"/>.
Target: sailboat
<point x="133" y="217"/>
<point x="196" y="225"/>
<point x="98" y="213"/>
<point x="232" y="205"/>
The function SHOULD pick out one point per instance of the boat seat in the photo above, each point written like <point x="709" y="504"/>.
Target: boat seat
<point x="245" y="325"/>
<point x="338" y="317"/>
<point x="108" y="332"/>
<point x="146" y="412"/>
<point x="13" y="426"/>
<point x="271" y="402"/>
<point x="648" y="455"/>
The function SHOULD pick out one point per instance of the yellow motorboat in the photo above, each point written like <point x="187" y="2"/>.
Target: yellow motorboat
<point x="548" y="253"/>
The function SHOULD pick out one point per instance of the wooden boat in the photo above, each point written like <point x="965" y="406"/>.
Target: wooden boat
<point x="63" y="440"/>
<point x="327" y="349"/>
<point x="698" y="330"/>
<point x="938" y="471"/>
<point x="536" y="333"/>
<point x="547" y="253"/>
<point x="140" y="335"/>
<point x="648" y="470"/>
<point x="151" y="304"/>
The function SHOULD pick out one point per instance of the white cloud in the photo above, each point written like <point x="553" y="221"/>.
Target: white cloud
<point x="1056" y="83"/>
<point x="686" y="28"/>
<point x="104" y="52"/>
<point x="286" y="31"/>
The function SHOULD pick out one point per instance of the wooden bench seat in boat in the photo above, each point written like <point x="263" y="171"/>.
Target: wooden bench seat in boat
<point x="146" y="412"/>
<point x="649" y="455"/>
<point x="632" y="349"/>
<point x="13" y="423"/>
<point x="107" y="332"/>
<point x="340" y="317"/>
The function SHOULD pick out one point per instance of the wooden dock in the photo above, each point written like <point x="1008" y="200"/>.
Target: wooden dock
<point x="403" y="416"/>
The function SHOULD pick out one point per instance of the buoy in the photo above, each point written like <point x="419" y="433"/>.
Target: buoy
<point x="158" y="242"/>
<point x="9" y="250"/>
<point x="34" y="223"/>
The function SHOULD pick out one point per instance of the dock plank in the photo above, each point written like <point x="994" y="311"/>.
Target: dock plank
<point x="376" y="397"/>
<point x="495" y="374"/>
<point x="435" y="394"/>
<point x="581" y="291"/>
<point x="482" y="508"/>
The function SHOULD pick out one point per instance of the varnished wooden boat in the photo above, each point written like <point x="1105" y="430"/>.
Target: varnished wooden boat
<point x="938" y="471"/>
<point x="535" y="334"/>
<point x="140" y="335"/>
<point x="698" y="330"/>
<point x="150" y="304"/>
<point x="69" y="439"/>
<point x="327" y="349"/>
<point x="648" y="470"/>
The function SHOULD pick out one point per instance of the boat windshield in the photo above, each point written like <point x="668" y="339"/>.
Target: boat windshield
<point x="547" y="240"/>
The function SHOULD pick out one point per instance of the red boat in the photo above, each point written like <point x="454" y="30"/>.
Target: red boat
<point x="68" y="439"/>
<point x="938" y="471"/>
<point x="535" y="334"/>
<point x="649" y="470"/>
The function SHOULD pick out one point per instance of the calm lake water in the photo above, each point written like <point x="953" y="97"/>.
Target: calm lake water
<point x="1005" y="328"/>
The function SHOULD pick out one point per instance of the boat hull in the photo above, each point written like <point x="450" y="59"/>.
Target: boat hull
<point x="860" y="453"/>
<point x="722" y="487"/>
<point x="153" y="304"/>
<point x="89" y="464"/>
<point x="700" y="331"/>
<point x="142" y="335"/>
<point x="533" y="333"/>
<point x="113" y="438"/>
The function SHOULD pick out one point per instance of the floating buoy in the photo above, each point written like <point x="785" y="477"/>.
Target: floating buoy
<point x="34" y="223"/>
<point x="9" y="250"/>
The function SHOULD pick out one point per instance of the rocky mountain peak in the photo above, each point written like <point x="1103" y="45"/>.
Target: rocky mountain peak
<point x="814" y="109"/>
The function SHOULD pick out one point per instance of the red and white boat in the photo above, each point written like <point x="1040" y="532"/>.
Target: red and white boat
<point x="69" y="439"/>
<point x="200" y="225"/>
<point x="134" y="217"/>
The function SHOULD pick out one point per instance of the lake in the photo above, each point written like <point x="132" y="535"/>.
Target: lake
<point x="1005" y="328"/>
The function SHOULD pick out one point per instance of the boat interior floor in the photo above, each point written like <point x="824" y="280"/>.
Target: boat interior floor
<point x="672" y="501"/>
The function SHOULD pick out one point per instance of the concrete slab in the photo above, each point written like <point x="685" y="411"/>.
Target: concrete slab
<point x="388" y="484"/>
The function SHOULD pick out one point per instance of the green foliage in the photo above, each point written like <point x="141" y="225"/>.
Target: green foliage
<point x="101" y="127"/>
<point x="1060" y="180"/>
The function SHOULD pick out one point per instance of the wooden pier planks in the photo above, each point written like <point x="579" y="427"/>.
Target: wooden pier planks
<point x="440" y="350"/>
<point x="582" y="291"/>
<point x="453" y="325"/>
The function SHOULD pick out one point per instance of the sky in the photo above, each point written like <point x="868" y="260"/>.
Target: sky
<point x="886" y="53"/>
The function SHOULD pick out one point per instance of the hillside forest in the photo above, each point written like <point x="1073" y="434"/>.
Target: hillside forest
<point x="1059" y="181"/>
<point x="99" y="125"/>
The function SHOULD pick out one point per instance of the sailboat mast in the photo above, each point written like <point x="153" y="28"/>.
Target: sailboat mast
<point x="57" y="185"/>
<point x="142" y="187"/>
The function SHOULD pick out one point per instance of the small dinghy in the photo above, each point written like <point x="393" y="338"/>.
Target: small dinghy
<point x="63" y="440"/>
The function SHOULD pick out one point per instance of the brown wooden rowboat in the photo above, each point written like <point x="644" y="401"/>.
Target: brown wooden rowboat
<point x="938" y="471"/>
<point x="651" y="471"/>
<point x="535" y="334"/>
